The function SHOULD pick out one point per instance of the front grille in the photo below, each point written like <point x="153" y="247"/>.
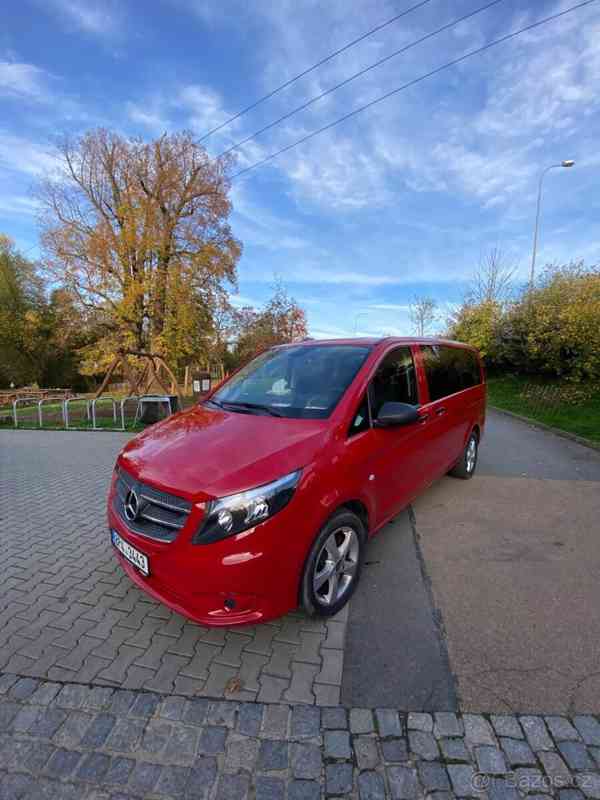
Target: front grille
<point x="160" y="516"/>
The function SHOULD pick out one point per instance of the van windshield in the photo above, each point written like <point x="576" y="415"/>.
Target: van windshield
<point x="303" y="381"/>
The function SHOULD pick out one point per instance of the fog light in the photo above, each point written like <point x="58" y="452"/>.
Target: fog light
<point x="229" y="603"/>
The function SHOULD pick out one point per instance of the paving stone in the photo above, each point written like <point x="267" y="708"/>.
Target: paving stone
<point x="365" y="752"/>
<point x="331" y="671"/>
<point x="338" y="778"/>
<point x="232" y="787"/>
<point x="371" y="786"/>
<point x="403" y="782"/>
<point x="156" y="736"/>
<point x="125" y="735"/>
<point x="250" y="717"/>
<point x="507" y="725"/>
<point x="302" y="683"/>
<point x="589" y="729"/>
<point x="305" y="760"/>
<point x="361" y="720"/>
<point x="502" y="789"/>
<point x="447" y="724"/>
<point x="434" y="777"/>
<point x="47" y="722"/>
<point x="576" y="755"/>
<point x="423" y="745"/>
<point x="570" y="794"/>
<point x="23" y="689"/>
<point x="72" y="696"/>
<point x="517" y="752"/>
<point x="98" y="699"/>
<point x="145" y="705"/>
<point x="119" y="771"/>
<point x="241" y="753"/>
<point x="276" y="720"/>
<point x="45" y="693"/>
<point x="454" y="750"/>
<point x="201" y="778"/>
<point x="271" y="689"/>
<point x="306" y="722"/>
<point x="490" y="760"/>
<point x="73" y="729"/>
<point x="183" y="744"/>
<point x="388" y="722"/>
<point x="62" y="763"/>
<point x="212" y="741"/>
<point x="121" y="702"/>
<point x="93" y="767"/>
<point x="334" y="718"/>
<point x="222" y="713"/>
<point x="589" y="783"/>
<point x="269" y="788"/>
<point x="326" y="695"/>
<point x="194" y="711"/>
<point x="478" y="730"/>
<point x="25" y="718"/>
<point x="420" y="722"/>
<point x="536" y="733"/>
<point x="556" y="769"/>
<point x="462" y="777"/>
<point x="172" y="780"/>
<point x="144" y="777"/>
<point x="394" y="750"/>
<point x="530" y="780"/>
<point x="337" y="744"/>
<point x="310" y="648"/>
<point x="561" y="729"/>
<point x="273" y="755"/>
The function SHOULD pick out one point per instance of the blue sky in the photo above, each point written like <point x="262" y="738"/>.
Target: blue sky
<point x="400" y="201"/>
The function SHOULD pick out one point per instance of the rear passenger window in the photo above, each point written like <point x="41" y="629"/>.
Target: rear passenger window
<point x="449" y="370"/>
<point x="395" y="380"/>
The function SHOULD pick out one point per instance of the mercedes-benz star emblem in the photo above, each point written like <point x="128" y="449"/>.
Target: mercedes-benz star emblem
<point x="132" y="505"/>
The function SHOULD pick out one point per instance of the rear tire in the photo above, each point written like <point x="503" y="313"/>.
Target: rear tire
<point x="334" y="564"/>
<point x="465" y="467"/>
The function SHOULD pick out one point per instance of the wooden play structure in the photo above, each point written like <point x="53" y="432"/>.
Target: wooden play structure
<point x="154" y="372"/>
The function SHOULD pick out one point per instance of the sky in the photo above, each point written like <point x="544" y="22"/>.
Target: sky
<point x="401" y="201"/>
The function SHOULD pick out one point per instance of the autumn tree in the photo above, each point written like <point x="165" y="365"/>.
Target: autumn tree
<point x="422" y="313"/>
<point x="138" y="232"/>
<point x="281" y="321"/>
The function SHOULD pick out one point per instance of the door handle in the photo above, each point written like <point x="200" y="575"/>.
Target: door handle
<point x="439" y="411"/>
<point x="423" y="418"/>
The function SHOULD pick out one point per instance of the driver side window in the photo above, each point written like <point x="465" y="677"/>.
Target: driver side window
<point x="395" y="380"/>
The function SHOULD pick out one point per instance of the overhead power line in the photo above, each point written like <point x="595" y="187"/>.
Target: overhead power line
<point x="413" y="82"/>
<point x="314" y="67"/>
<point x="358" y="74"/>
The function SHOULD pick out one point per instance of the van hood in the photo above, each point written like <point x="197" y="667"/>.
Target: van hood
<point x="203" y="453"/>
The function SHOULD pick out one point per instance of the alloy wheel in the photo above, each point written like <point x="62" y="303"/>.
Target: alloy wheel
<point x="471" y="454"/>
<point x="336" y="566"/>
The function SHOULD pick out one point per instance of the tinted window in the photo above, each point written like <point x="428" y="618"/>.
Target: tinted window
<point x="296" y="381"/>
<point x="449" y="370"/>
<point x="395" y="380"/>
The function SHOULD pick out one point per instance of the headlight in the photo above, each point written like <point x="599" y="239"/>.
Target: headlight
<point x="238" y="512"/>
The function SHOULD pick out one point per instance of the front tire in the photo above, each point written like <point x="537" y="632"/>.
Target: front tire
<point x="334" y="564"/>
<point x="465" y="468"/>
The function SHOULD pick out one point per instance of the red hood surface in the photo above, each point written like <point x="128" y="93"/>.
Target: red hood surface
<point x="203" y="453"/>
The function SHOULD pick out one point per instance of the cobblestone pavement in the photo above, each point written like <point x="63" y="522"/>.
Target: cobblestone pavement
<point x="69" y="741"/>
<point x="69" y="613"/>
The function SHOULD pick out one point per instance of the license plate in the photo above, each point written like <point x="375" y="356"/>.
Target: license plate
<point x="132" y="555"/>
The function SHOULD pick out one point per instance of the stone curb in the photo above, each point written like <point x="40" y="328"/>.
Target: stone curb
<point x="542" y="426"/>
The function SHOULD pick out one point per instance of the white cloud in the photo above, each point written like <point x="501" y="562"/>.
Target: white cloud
<point x="96" y="18"/>
<point x="22" y="79"/>
<point x="17" y="205"/>
<point x="25" y="156"/>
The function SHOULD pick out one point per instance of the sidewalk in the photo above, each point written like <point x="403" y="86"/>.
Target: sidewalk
<point x="66" y="740"/>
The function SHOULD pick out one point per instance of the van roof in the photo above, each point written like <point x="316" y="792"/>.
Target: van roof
<point x="373" y="340"/>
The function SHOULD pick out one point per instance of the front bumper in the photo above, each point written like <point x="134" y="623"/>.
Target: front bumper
<point x="240" y="580"/>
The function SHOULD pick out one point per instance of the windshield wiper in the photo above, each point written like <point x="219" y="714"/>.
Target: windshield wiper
<point x="250" y="407"/>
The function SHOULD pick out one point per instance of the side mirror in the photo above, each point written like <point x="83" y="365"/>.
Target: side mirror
<point x="396" y="414"/>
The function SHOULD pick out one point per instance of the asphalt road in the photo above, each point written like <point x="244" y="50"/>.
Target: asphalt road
<point x="489" y="601"/>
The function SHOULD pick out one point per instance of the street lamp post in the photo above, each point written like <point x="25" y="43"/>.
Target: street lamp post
<point x="567" y="163"/>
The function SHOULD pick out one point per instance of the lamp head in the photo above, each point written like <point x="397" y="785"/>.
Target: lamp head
<point x="567" y="163"/>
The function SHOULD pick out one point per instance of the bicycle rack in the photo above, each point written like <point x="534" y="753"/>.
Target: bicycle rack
<point x="66" y="408"/>
<point x="114" y="407"/>
<point x="30" y="400"/>
<point x="122" y="405"/>
<point x="48" y="400"/>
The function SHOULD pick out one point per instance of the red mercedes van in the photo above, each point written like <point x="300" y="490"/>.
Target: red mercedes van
<point x="263" y="496"/>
